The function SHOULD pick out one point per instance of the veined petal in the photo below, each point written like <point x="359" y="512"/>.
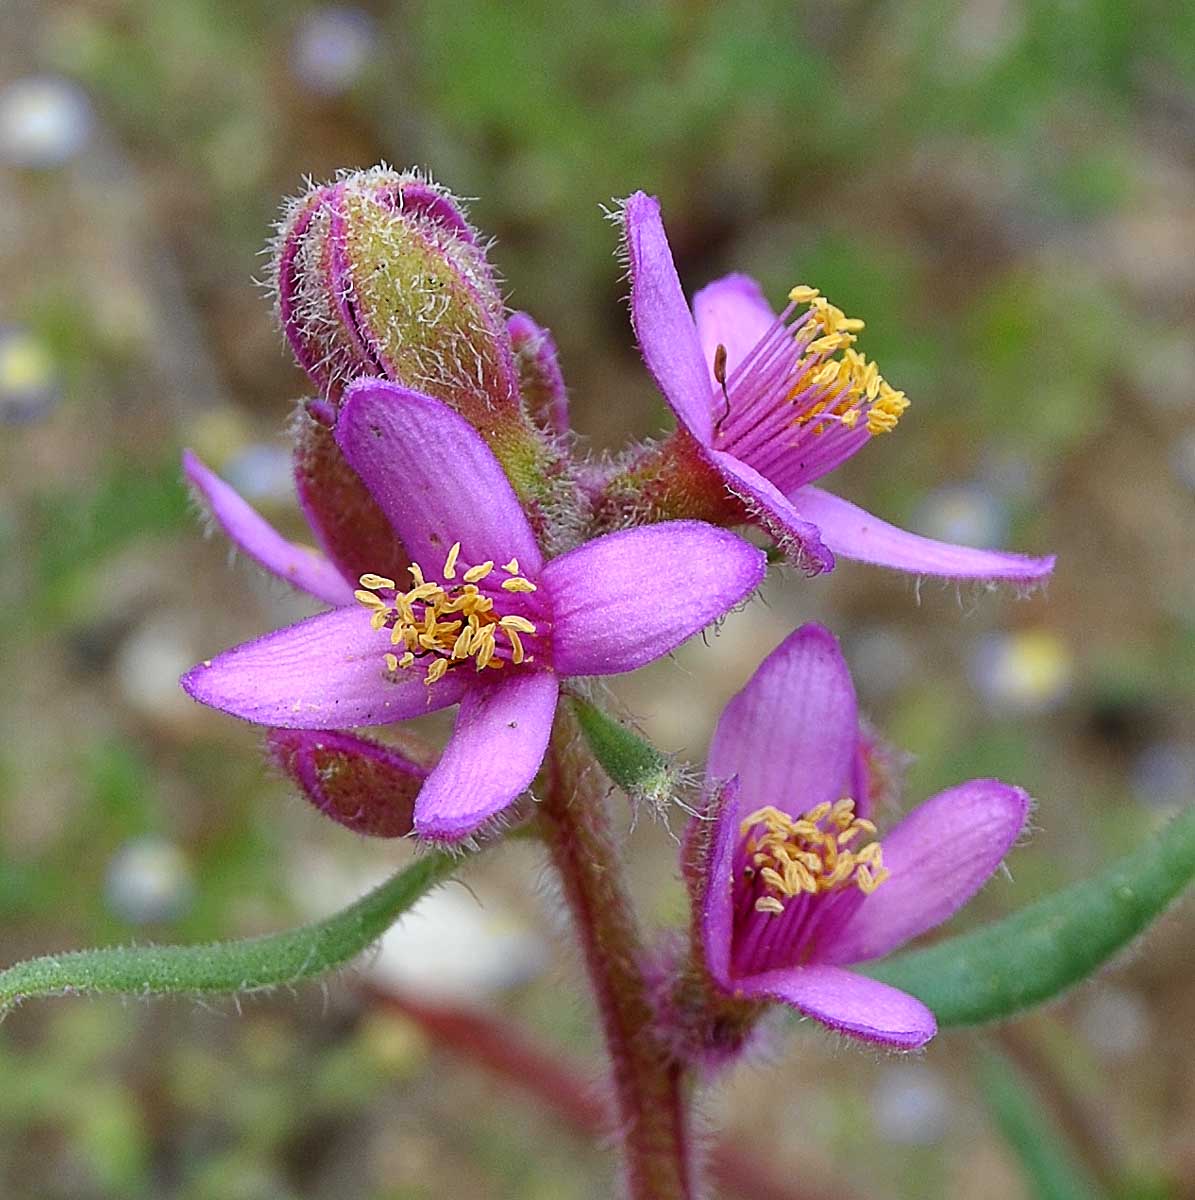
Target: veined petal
<point x="324" y="672"/>
<point x="849" y="1003"/>
<point x="662" y="321"/>
<point x="255" y="537"/>
<point x="939" y="856"/>
<point x="790" y="736"/>
<point x="501" y="734"/>
<point x="717" y="904"/>
<point x="731" y="312"/>
<point x="434" y="477"/>
<point x="854" y="533"/>
<point x="627" y="598"/>
<point x="799" y="539"/>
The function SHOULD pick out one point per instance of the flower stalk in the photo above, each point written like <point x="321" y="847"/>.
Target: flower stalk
<point x="650" y="1089"/>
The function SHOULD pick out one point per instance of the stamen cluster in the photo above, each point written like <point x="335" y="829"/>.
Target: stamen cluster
<point x="787" y="857"/>
<point x="447" y="623"/>
<point x="847" y="387"/>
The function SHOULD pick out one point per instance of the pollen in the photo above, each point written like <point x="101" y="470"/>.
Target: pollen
<point x="832" y="384"/>
<point x="809" y="855"/>
<point x="439" y="625"/>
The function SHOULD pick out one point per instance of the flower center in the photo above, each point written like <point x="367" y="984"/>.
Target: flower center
<point x="803" y="386"/>
<point x="441" y="625"/>
<point x="812" y="854"/>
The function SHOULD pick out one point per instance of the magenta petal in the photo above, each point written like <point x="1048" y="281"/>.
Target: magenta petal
<point x="790" y="736"/>
<point x="940" y="855"/>
<point x="731" y="312"/>
<point x="496" y="748"/>
<point x="799" y="539"/>
<point x="662" y="321"/>
<point x="849" y="1003"/>
<point x="254" y="536"/>
<point x="434" y="477"/>
<point x="854" y="533"/>
<point x="717" y="903"/>
<point x="324" y="672"/>
<point x="627" y="598"/>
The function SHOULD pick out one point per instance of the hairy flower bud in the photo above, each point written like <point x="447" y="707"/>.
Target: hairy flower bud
<point x="351" y="528"/>
<point x="541" y="382"/>
<point x="364" y="786"/>
<point x="380" y="274"/>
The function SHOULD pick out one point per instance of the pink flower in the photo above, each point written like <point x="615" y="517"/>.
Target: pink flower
<point x="767" y="404"/>
<point x="796" y="889"/>
<point x="484" y="622"/>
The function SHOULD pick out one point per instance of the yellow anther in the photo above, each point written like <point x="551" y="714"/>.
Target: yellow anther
<point x="809" y="854"/>
<point x="375" y="581"/>
<point x="406" y="660"/>
<point x="391" y="662"/>
<point x="518" y="584"/>
<point x="436" y="671"/>
<point x="512" y="567"/>
<point x="517" y="654"/>
<point x="369" y="599"/>
<point x="803" y="294"/>
<point x="521" y="624"/>
<point x="450" y="561"/>
<point x="479" y="572"/>
<point x="416" y="573"/>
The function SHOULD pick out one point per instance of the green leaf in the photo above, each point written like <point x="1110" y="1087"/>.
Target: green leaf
<point x="227" y="967"/>
<point x="1035" y="954"/>
<point x="632" y="762"/>
<point x="1049" y="1166"/>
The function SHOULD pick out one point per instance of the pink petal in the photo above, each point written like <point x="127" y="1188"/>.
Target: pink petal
<point x="434" y="477"/>
<point x="850" y="531"/>
<point x="324" y="672"/>
<point x="849" y="1003"/>
<point x="717" y="902"/>
<point x="800" y="539"/>
<point x="501" y="734"/>
<point x="662" y="322"/>
<point x="940" y="855"/>
<point x="260" y="541"/>
<point x="627" y="598"/>
<point x="731" y="312"/>
<point x="790" y="735"/>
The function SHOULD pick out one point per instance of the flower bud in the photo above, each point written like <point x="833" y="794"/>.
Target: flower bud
<point x="364" y="786"/>
<point x="351" y="528"/>
<point x="380" y="274"/>
<point x="541" y="383"/>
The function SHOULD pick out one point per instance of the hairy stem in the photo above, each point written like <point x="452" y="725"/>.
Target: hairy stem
<point x="649" y="1090"/>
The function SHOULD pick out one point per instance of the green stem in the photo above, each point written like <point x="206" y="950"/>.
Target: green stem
<point x="226" y="967"/>
<point x="649" y="1088"/>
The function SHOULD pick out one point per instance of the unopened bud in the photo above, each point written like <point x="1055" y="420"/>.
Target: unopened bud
<point x="364" y="786"/>
<point x="541" y="383"/>
<point x="380" y="274"/>
<point x="351" y="528"/>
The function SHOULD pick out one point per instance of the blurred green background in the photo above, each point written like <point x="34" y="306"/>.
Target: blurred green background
<point x="1003" y="189"/>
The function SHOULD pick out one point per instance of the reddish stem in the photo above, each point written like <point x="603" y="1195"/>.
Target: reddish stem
<point x="486" y="1041"/>
<point x="649" y="1088"/>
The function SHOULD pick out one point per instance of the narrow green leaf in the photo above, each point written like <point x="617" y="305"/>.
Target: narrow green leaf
<point x="1035" y="954"/>
<point x="631" y="761"/>
<point x="226" y="967"/>
<point x="1050" y="1168"/>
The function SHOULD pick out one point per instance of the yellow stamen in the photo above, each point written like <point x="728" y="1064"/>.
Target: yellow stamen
<point x="803" y="294"/>
<point x="391" y="661"/>
<point x="450" y="561"/>
<point x="376" y="581"/>
<point x="478" y="573"/>
<point x="518" y="584"/>
<point x="809" y="854"/>
<point x="512" y="567"/>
